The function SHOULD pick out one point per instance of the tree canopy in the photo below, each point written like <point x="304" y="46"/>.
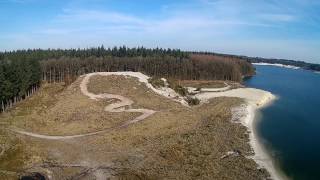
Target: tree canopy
<point x="21" y="71"/>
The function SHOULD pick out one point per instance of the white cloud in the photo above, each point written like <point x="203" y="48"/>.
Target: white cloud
<point x="279" y="17"/>
<point x="81" y="15"/>
<point x="77" y="20"/>
<point x="235" y="26"/>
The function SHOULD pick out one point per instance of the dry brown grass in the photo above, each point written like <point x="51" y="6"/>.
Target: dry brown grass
<point x="58" y="111"/>
<point x="175" y="143"/>
<point x="131" y="88"/>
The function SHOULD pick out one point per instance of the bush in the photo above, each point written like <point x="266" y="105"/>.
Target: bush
<point x="192" y="101"/>
<point x="172" y="83"/>
<point x="156" y="82"/>
<point x="181" y="90"/>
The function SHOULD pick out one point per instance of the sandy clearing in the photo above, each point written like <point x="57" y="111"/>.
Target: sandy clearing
<point x="254" y="97"/>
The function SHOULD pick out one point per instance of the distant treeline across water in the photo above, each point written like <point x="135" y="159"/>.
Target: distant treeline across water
<point x="22" y="71"/>
<point x="301" y="64"/>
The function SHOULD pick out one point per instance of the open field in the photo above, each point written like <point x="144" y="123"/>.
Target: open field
<point x="176" y="142"/>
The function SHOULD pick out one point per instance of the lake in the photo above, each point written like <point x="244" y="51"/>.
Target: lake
<point x="290" y="128"/>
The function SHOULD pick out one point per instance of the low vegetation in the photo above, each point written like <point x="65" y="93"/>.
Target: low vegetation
<point x="176" y="141"/>
<point x="203" y="84"/>
<point x="157" y="82"/>
<point x="181" y="90"/>
<point x="192" y="101"/>
<point x="210" y="84"/>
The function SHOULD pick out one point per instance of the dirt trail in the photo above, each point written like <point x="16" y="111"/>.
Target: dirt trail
<point x="117" y="107"/>
<point x="227" y="87"/>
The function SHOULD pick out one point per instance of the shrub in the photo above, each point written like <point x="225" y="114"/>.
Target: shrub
<point x="192" y="101"/>
<point x="156" y="82"/>
<point x="181" y="90"/>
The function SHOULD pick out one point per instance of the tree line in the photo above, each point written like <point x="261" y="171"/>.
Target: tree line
<point x="101" y="51"/>
<point x="18" y="79"/>
<point x="301" y="64"/>
<point x="22" y="71"/>
<point x="195" y="67"/>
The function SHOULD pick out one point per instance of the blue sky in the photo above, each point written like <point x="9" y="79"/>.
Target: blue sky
<point x="267" y="28"/>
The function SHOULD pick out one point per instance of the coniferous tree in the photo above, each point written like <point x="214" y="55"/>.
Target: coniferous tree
<point x="22" y="70"/>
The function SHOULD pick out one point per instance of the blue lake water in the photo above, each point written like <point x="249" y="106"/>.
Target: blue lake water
<point x="290" y="127"/>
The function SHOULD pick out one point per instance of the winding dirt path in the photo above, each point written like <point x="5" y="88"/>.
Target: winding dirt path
<point x="117" y="107"/>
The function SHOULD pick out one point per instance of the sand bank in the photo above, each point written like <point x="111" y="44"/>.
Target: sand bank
<point x="245" y="114"/>
<point x="278" y="65"/>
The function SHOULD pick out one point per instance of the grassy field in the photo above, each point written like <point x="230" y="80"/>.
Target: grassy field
<point x="176" y="142"/>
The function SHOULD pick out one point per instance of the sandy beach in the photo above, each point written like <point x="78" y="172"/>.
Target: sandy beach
<point x="246" y="115"/>
<point x="261" y="156"/>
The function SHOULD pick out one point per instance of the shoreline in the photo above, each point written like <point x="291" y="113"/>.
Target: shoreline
<point x="277" y="65"/>
<point x="249" y="120"/>
<point x="255" y="99"/>
<point x="261" y="156"/>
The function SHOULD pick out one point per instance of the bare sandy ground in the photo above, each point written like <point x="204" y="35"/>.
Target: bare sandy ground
<point x="253" y="96"/>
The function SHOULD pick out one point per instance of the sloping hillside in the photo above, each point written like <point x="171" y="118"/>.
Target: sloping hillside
<point x="62" y="133"/>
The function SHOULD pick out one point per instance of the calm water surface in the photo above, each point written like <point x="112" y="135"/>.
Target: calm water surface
<point x="290" y="127"/>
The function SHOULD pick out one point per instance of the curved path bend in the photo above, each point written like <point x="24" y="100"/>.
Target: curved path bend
<point x="117" y="107"/>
